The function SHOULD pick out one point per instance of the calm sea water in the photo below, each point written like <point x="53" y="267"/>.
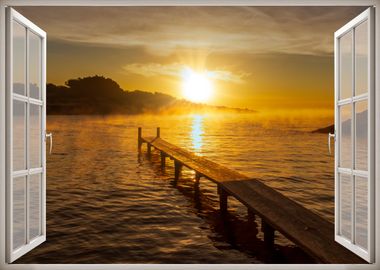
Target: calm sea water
<point x="107" y="204"/>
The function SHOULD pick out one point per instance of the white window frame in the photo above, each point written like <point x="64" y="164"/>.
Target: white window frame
<point x="367" y="15"/>
<point x="12" y="255"/>
<point x="4" y="3"/>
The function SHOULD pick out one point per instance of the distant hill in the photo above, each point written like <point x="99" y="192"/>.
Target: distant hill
<point x="361" y="126"/>
<point x="100" y="95"/>
<point x="329" y="129"/>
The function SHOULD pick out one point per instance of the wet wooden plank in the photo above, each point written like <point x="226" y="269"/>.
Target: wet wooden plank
<point x="207" y="168"/>
<point x="306" y="229"/>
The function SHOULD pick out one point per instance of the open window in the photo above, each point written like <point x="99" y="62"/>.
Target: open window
<point x="354" y="135"/>
<point x="26" y="110"/>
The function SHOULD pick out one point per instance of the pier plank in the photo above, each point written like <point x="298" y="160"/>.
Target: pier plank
<point x="306" y="229"/>
<point x="302" y="226"/>
<point x="207" y="168"/>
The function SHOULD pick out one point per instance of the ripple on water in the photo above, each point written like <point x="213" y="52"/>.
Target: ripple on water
<point x="106" y="204"/>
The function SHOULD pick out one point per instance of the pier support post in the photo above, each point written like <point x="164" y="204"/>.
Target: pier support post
<point x="149" y="149"/>
<point x="163" y="157"/>
<point x="268" y="234"/>
<point x="196" y="183"/>
<point x="223" y="201"/>
<point x="158" y="134"/>
<point x="139" y="140"/>
<point x="251" y="215"/>
<point x="177" y="170"/>
<point x="197" y="199"/>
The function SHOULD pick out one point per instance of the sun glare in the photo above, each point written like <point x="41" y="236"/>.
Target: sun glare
<point x="196" y="86"/>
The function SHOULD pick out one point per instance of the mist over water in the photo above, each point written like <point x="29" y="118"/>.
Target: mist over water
<point x="107" y="204"/>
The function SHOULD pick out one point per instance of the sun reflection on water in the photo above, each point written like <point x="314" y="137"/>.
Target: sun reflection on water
<point x="197" y="132"/>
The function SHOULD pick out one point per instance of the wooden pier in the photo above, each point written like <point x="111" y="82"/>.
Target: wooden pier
<point x="303" y="227"/>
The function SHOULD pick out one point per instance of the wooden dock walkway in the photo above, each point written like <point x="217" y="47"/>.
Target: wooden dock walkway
<point x="303" y="227"/>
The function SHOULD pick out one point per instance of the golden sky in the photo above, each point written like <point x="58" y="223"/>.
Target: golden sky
<point x="262" y="58"/>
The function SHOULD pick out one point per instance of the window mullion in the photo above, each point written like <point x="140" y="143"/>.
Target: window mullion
<point x="353" y="138"/>
<point x="27" y="138"/>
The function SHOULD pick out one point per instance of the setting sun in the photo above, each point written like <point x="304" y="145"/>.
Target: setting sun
<point x="196" y="86"/>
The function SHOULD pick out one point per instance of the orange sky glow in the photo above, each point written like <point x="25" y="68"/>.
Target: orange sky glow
<point x="261" y="58"/>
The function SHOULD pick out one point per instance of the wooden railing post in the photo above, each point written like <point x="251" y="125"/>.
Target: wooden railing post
<point x="177" y="170"/>
<point x="139" y="140"/>
<point x="158" y="132"/>
<point x="268" y="234"/>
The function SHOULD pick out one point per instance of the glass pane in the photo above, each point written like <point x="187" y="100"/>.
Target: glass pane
<point x="34" y="66"/>
<point x="35" y="136"/>
<point x="19" y="234"/>
<point x="346" y="66"/>
<point x="361" y="211"/>
<point x="361" y="58"/>
<point x="345" y="205"/>
<point x="19" y="45"/>
<point x="361" y="135"/>
<point x="19" y="138"/>
<point x="345" y="147"/>
<point x="35" y="205"/>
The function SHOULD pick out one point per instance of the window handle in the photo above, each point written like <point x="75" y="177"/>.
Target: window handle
<point x="329" y="141"/>
<point x="50" y="136"/>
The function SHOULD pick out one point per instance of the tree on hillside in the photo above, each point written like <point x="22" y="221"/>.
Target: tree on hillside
<point x="100" y="95"/>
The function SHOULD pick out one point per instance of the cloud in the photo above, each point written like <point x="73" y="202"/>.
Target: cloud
<point x="164" y="30"/>
<point x="154" y="69"/>
<point x="177" y="70"/>
<point x="228" y="76"/>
